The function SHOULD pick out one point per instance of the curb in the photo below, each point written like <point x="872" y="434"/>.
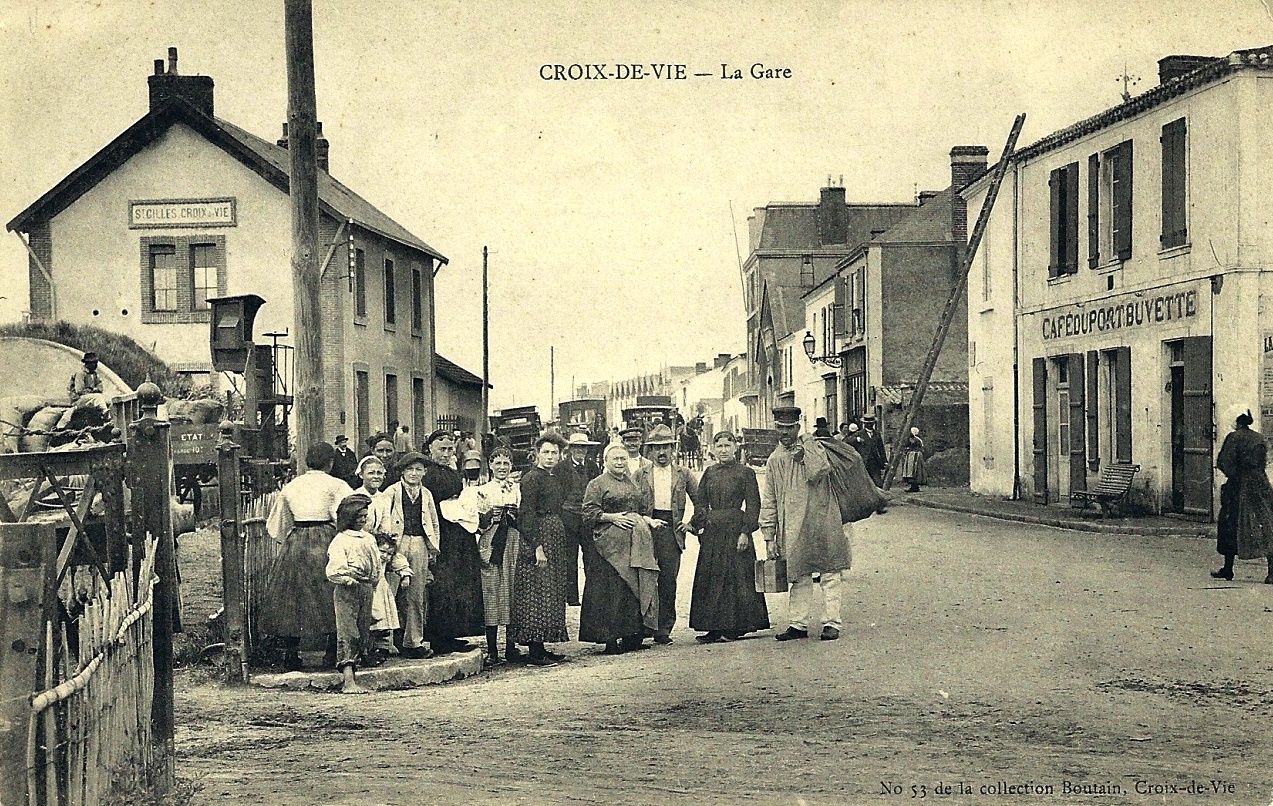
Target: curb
<point x="1062" y="523"/>
<point x="395" y="675"/>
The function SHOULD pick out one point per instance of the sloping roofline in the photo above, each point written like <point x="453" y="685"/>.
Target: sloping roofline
<point x="455" y="373"/>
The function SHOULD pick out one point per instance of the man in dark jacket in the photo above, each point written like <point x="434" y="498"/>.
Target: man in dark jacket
<point x="583" y="469"/>
<point x="346" y="464"/>
<point x="872" y="449"/>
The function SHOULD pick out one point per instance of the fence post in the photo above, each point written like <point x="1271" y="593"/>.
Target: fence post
<point x="233" y="568"/>
<point x="27" y="569"/>
<point x="150" y="456"/>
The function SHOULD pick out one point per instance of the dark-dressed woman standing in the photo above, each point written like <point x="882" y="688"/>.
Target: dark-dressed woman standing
<point x="725" y="603"/>
<point x="455" y="597"/>
<point x="620" y="592"/>
<point x="913" y="471"/>
<point x="539" y="585"/>
<point x="1245" y="526"/>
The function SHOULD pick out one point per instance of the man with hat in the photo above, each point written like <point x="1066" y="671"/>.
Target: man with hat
<point x="85" y="381"/>
<point x="345" y="466"/>
<point x="801" y="521"/>
<point x="872" y="449"/>
<point x="631" y="437"/>
<point x="666" y="486"/>
<point x="582" y="468"/>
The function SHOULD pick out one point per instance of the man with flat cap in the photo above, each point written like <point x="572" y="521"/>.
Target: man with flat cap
<point x="632" y="437"/>
<point x="801" y="521"/>
<point x="667" y="486"/>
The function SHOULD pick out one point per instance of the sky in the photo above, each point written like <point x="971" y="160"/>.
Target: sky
<point x="614" y="210"/>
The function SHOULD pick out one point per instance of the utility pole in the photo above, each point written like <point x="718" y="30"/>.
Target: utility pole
<point x="486" y="350"/>
<point x="952" y="302"/>
<point x="552" y="381"/>
<point x="302" y="154"/>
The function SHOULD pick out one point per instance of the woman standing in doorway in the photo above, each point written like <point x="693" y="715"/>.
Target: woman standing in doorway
<point x="1245" y="526"/>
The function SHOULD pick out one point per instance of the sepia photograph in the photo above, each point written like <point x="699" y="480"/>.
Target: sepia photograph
<point x="565" y="402"/>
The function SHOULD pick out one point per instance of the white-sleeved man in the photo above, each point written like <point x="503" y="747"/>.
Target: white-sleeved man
<point x="801" y="521"/>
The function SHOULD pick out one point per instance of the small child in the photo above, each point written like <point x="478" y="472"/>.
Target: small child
<point x="395" y="573"/>
<point x="352" y="566"/>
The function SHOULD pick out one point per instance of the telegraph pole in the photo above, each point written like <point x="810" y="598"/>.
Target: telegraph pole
<point x="302" y="151"/>
<point x="486" y="350"/>
<point x="552" y="382"/>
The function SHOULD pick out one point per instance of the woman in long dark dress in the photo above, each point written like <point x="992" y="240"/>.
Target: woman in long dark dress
<point x="539" y="586"/>
<point x="913" y="471"/>
<point x="455" y="597"/>
<point x="620" y="594"/>
<point x="725" y="603"/>
<point x="1245" y="525"/>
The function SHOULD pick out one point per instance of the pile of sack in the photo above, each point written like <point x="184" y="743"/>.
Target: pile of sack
<point x="195" y="412"/>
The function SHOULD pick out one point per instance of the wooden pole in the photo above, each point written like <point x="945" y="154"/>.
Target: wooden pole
<point x="948" y="313"/>
<point x="233" y="565"/>
<point x="302" y="151"/>
<point x="552" y="381"/>
<point x="486" y="349"/>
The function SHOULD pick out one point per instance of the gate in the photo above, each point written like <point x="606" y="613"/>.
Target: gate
<point x="87" y="610"/>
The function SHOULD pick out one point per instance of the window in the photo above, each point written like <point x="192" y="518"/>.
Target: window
<point x="390" y="305"/>
<point x="1112" y="193"/>
<point x="179" y="273"/>
<point x="830" y="402"/>
<point x="360" y="283"/>
<point x="418" y="407"/>
<point x="391" y="400"/>
<point x="362" y="405"/>
<point x="203" y="267"/>
<point x="417" y="299"/>
<point x="1063" y="186"/>
<point x="163" y="273"/>
<point x="806" y="271"/>
<point x="1175" y="231"/>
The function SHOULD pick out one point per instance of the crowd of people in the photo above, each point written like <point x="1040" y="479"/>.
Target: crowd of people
<point x="413" y="553"/>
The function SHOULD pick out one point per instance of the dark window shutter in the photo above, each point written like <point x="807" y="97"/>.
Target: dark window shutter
<point x="1078" y="441"/>
<point x="1071" y="218"/>
<point x="1174" y="228"/>
<point x="1123" y="404"/>
<point x="840" y="295"/>
<point x="1123" y="200"/>
<point x="1040" y="446"/>
<point x="1094" y="211"/>
<point x="1056" y="190"/>
<point x="1093" y="413"/>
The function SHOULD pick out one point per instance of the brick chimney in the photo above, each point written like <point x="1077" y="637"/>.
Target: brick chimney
<point x="966" y="164"/>
<point x="166" y="83"/>
<point x="833" y="216"/>
<point x="1170" y="67"/>
<point x="926" y="196"/>
<point x="700" y="367"/>
<point x="721" y="361"/>
<point x="323" y="145"/>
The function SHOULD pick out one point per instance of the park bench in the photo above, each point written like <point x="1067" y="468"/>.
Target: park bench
<point x="1110" y="489"/>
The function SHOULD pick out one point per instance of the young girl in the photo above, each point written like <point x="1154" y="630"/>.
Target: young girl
<point x="352" y="565"/>
<point x="395" y="573"/>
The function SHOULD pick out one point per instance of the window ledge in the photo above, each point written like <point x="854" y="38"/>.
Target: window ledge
<point x="1109" y="266"/>
<point x="1061" y="279"/>
<point x="361" y="321"/>
<point x="1175" y="251"/>
<point x="175" y="317"/>
<point x="417" y="333"/>
<point x="391" y="327"/>
<point x="987" y="308"/>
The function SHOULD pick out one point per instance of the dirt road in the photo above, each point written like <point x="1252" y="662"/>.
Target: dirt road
<point x="995" y="659"/>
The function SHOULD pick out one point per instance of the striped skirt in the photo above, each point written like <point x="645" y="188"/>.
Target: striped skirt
<point x="497" y="583"/>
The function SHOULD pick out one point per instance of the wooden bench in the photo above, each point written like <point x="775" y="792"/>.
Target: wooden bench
<point x="1110" y="489"/>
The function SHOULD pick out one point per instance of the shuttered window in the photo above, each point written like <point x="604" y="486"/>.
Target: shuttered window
<point x="1174" y="227"/>
<point x="1094" y="211"/>
<point x="1121" y="193"/>
<point x="1064" y="193"/>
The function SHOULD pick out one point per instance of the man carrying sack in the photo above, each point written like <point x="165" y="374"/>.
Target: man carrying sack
<point x="814" y="490"/>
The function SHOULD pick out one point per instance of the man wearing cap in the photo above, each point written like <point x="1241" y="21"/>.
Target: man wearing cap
<point x="632" y="436"/>
<point x="85" y="381"/>
<point x="582" y="469"/>
<point x="667" y="486"/>
<point x="874" y="456"/>
<point x="801" y="521"/>
<point x="345" y="466"/>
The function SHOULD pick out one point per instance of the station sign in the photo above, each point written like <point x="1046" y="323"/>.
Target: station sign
<point x="165" y="213"/>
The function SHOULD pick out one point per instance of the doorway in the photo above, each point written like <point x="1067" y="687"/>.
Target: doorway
<point x="1189" y="368"/>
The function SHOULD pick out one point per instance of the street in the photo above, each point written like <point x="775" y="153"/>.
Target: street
<point x="981" y="661"/>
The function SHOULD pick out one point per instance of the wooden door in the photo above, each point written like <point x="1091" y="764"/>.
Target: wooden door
<point x="1197" y="429"/>
<point x="1040" y="445"/>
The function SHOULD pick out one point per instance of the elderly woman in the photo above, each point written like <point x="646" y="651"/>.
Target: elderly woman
<point x="384" y="451"/>
<point x="497" y="503"/>
<point x="1245" y="525"/>
<point x="913" y="471"/>
<point x="406" y="510"/>
<point x="455" y="599"/>
<point x="298" y="598"/>
<point x="539" y="589"/>
<point x="620" y="593"/>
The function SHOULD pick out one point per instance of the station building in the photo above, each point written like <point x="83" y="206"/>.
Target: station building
<point x="183" y="206"/>
<point x="1122" y="298"/>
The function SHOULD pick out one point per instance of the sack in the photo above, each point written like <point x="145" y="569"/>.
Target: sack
<point x="771" y="576"/>
<point x="851" y="485"/>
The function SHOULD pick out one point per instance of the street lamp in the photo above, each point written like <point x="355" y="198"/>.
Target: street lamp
<point x="809" y="343"/>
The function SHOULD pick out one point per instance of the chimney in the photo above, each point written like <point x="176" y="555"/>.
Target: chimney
<point x="833" y="217"/>
<point x="166" y="83"/>
<point x="700" y="368"/>
<point x="323" y="146"/>
<point x="927" y="196"/>
<point x="1170" y="67"/>
<point x="966" y="164"/>
<point x="722" y="361"/>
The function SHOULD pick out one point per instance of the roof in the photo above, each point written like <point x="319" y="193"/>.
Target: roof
<point x="263" y="157"/>
<point x="1257" y="58"/>
<point x="455" y="373"/>
<point x="930" y="223"/>
<point x="794" y="227"/>
<point x="787" y="309"/>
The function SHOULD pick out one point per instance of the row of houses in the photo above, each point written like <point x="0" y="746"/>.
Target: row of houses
<point x="1120" y="303"/>
<point x="183" y="206"/>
